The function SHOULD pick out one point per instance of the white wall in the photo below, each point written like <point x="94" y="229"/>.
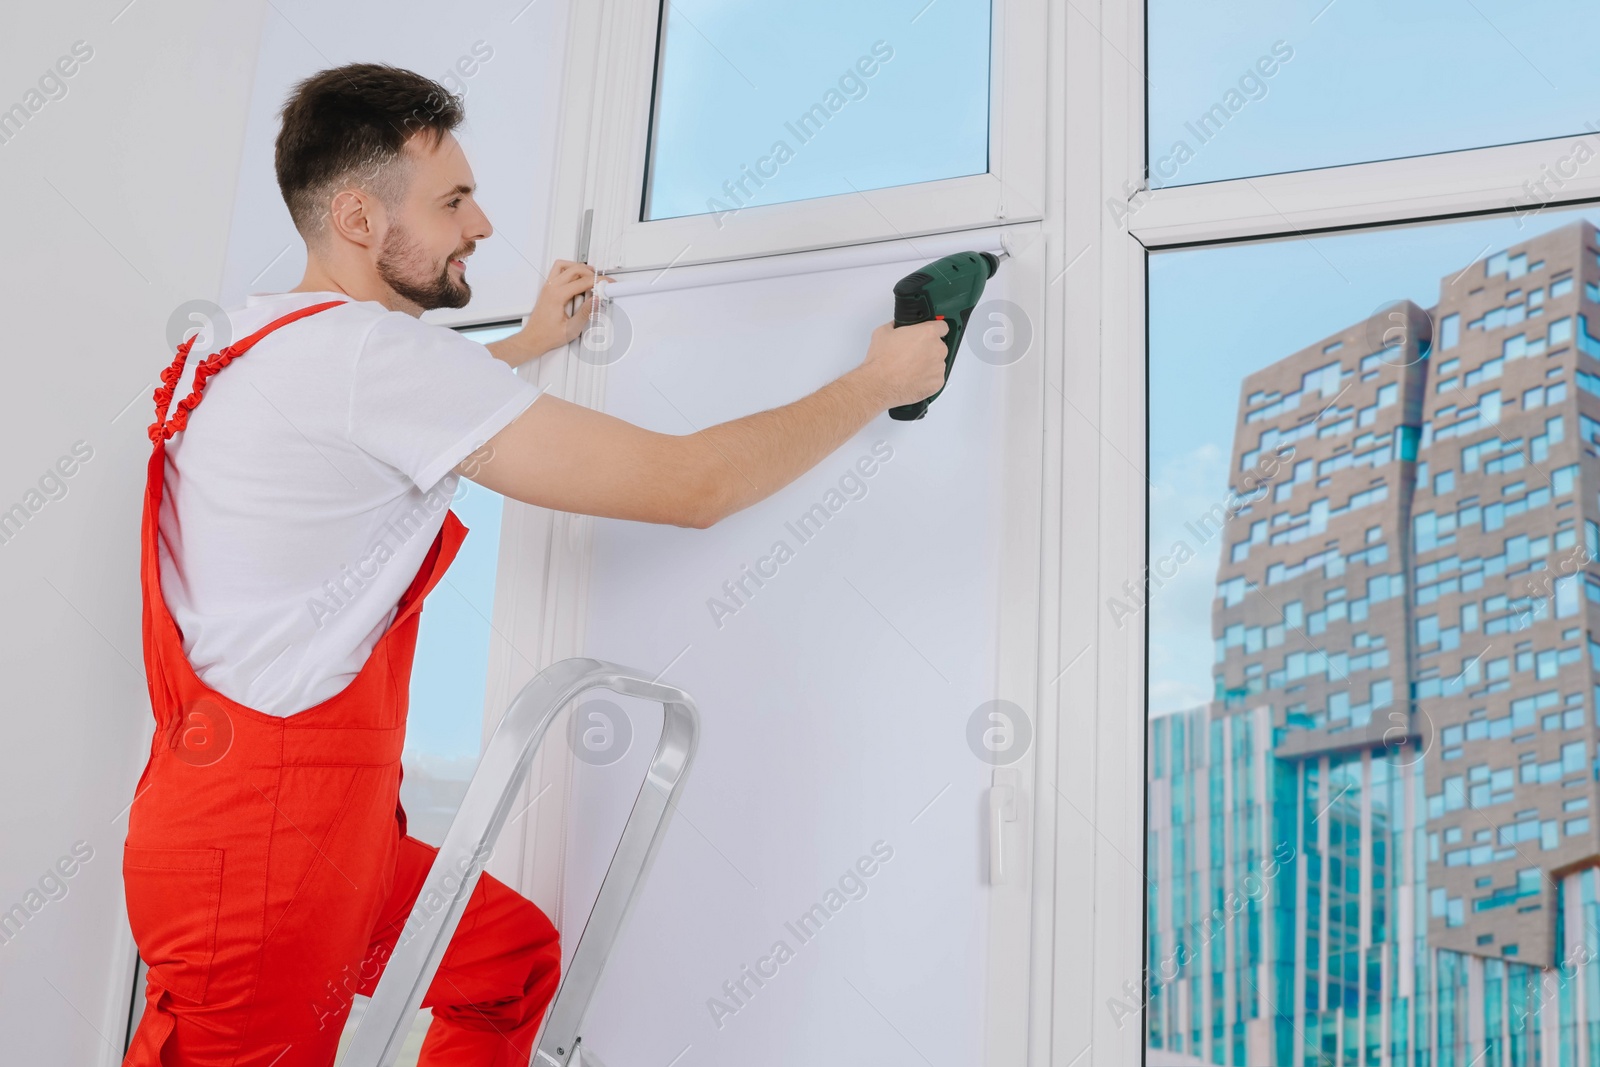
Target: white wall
<point x="509" y="133"/>
<point x="149" y="184"/>
<point x="117" y="198"/>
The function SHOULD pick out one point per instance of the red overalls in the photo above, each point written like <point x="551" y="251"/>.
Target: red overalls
<point x="267" y="870"/>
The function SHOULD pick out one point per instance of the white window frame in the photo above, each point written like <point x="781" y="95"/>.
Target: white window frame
<point x="625" y="45"/>
<point x="1477" y="182"/>
<point x="541" y="600"/>
<point x="1082" y="810"/>
<point x="1082" y="803"/>
<point x="1474" y="181"/>
<point x="541" y="605"/>
<point x="1096" y="499"/>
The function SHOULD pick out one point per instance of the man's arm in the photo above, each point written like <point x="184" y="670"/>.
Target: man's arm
<point x="567" y="457"/>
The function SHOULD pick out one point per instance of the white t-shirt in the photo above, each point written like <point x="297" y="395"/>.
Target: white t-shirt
<point x="309" y="484"/>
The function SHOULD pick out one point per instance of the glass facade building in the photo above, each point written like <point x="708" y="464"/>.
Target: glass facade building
<point x="1376" y="844"/>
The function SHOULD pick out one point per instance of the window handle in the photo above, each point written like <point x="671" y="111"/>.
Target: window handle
<point x="1003" y="809"/>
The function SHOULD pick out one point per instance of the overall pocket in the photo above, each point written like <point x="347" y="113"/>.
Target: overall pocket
<point x="174" y="899"/>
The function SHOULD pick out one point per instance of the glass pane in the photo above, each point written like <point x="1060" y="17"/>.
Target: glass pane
<point x="444" y="730"/>
<point x="1259" y="86"/>
<point x="757" y="104"/>
<point x="1373" y="535"/>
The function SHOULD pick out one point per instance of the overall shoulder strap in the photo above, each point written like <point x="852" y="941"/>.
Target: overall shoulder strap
<point x="163" y="428"/>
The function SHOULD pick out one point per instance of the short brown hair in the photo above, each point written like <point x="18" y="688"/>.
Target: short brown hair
<point x="346" y="126"/>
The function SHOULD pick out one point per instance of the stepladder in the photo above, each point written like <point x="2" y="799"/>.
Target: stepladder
<point x="490" y="797"/>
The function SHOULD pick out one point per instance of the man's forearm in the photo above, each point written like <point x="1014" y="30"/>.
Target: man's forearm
<point x="749" y="459"/>
<point x="517" y="349"/>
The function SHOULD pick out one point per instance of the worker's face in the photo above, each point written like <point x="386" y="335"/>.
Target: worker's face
<point x="437" y="224"/>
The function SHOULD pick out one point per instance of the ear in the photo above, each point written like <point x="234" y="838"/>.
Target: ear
<point x="355" y="216"/>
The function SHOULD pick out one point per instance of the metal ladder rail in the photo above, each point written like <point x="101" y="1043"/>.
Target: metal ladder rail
<point x="483" y="812"/>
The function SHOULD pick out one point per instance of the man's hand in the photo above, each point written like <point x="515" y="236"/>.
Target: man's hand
<point x="906" y="363"/>
<point x="549" y="326"/>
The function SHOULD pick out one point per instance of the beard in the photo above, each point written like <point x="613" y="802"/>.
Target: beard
<point x="405" y="267"/>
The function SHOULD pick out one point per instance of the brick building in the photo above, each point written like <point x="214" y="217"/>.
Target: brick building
<point x="1376" y="845"/>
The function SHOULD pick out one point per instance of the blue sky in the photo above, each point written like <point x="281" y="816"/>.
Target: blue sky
<point x="1369" y="79"/>
<point x="452" y="665"/>
<point x="734" y="73"/>
<point x="1219" y="314"/>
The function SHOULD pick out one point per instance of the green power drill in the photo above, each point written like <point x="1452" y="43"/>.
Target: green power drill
<point x="948" y="289"/>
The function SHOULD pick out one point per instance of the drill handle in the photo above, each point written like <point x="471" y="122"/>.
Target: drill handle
<point x="912" y="308"/>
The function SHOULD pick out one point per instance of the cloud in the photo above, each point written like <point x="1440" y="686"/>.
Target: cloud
<point x="1181" y="649"/>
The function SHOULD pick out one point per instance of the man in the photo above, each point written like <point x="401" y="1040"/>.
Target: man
<point x="291" y="531"/>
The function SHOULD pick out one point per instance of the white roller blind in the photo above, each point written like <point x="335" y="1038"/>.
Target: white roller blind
<point x="924" y="249"/>
<point x="835" y="694"/>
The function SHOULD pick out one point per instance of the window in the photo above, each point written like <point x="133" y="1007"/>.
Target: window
<point x="672" y="106"/>
<point x="765" y="131"/>
<point x="1481" y="543"/>
<point x="1566" y="596"/>
<point x="1489" y="408"/>
<point x="1546" y="666"/>
<point x="444" y="727"/>
<point x="762" y="105"/>
<point x="1450" y="331"/>
<point x="1573" y="756"/>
